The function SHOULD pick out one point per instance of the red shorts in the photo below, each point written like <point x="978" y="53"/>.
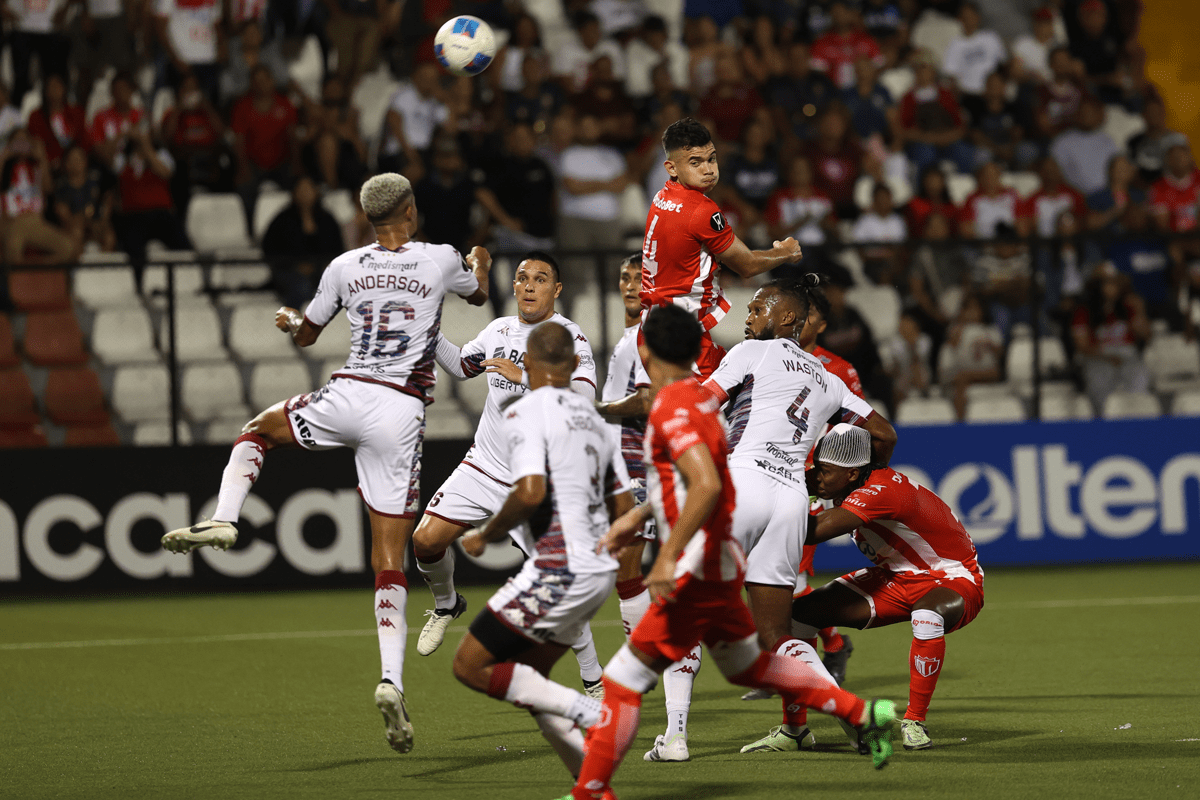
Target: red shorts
<point x="709" y="359"/>
<point x="704" y="611"/>
<point x="892" y="595"/>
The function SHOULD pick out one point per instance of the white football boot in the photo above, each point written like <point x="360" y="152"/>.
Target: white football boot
<point x="399" y="730"/>
<point x="780" y="741"/>
<point x="916" y="737"/>
<point x="594" y="689"/>
<point x="435" y="628"/>
<point x="759" y="694"/>
<point x="218" y="535"/>
<point x="673" y="749"/>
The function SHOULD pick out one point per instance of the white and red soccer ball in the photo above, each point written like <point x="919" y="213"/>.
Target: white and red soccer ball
<point x="465" y="45"/>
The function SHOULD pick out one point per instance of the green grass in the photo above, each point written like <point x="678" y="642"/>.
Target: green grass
<point x="1029" y="705"/>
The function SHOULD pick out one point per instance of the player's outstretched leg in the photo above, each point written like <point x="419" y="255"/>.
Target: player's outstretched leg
<point x="389" y="541"/>
<point x="678" y="680"/>
<point x="433" y="546"/>
<point x="792" y="734"/>
<point x="590" y="671"/>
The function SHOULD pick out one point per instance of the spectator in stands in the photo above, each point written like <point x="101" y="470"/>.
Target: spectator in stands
<point x="938" y="275"/>
<point x="1031" y="51"/>
<point x="652" y="48"/>
<point x="1106" y="206"/>
<point x="519" y="195"/>
<point x="1144" y="259"/>
<point x="868" y="102"/>
<point x="191" y="36"/>
<point x="36" y="28"/>
<point x="972" y="57"/>
<point x="932" y="197"/>
<point x="10" y="115"/>
<point x="101" y="37"/>
<point x="445" y="198"/>
<point x="195" y="135"/>
<point x="930" y="123"/>
<point x="1100" y="52"/>
<point x="264" y="129"/>
<point x="1107" y="331"/>
<point x="702" y="37"/>
<point x="25" y="179"/>
<point x="880" y="225"/>
<point x="1083" y="152"/>
<point x="761" y="56"/>
<point x="815" y="20"/>
<point x="972" y="352"/>
<point x="246" y="52"/>
<point x="1058" y="100"/>
<point x="111" y="126"/>
<point x="507" y="71"/>
<point x="619" y="19"/>
<point x="848" y="335"/>
<point x="58" y="123"/>
<point x="990" y="205"/>
<point x="416" y="112"/>
<point x="801" y="211"/>
<point x="996" y="132"/>
<point x="754" y="171"/>
<point x="572" y="61"/>
<point x="907" y="357"/>
<point x="1002" y="275"/>
<point x="1052" y="200"/>
<point x="560" y="137"/>
<point x="665" y="93"/>
<point x="355" y="29"/>
<point x="1173" y="199"/>
<point x="144" y="192"/>
<point x="731" y="102"/>
<point x="299" y="241"/>
<point x="538" y="98"/>
<point x="593" y="177"/>
<point x="836" y="160"/>
<point x="332" y="149"/>
<point x="845" y="43"/>
<point x="882" y="20"/>
<point x="82" y="208"/>
<point x="798" y="95"/>
<point x="1149" y="148"/>
<point x="605" y="98"/>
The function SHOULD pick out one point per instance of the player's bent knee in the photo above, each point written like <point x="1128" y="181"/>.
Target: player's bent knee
<point x="735" y="658"/>
<point x="272" y="426"/>
<point x="470" y="674"/>
<point x="628" y="670"/>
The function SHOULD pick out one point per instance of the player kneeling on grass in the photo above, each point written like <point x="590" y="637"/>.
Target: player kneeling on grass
<point x="696" y="581"/>
<point x="925" y="570"/>
<point x="568" y="481"/>
<point x="392" y="292"/>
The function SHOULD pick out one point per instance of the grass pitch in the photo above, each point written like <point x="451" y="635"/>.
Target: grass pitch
<point x="1071" y="683"/>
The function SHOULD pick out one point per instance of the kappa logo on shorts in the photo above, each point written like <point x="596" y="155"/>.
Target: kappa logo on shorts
<point x="926" y="666"/>
<point x="717" y="222"/>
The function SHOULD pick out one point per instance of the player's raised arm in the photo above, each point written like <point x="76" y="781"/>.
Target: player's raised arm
<point x="303" y="332"/>
<point x="883" y="439"/>
<point x="480" y="262"/>
<point x="830" y="524"/>
<point x="748" y="263"/>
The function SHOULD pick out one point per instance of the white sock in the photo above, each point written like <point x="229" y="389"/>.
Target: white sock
<point x="677" y="685"/>
<point x="803" y="651"/>
<point x="633" y="609"/>
<point x="566" y="739"/>
<point x="245" y="462"/>
<point x="440" y="577"/>
<point x="585" y="652"/>
<point x="391" y="597"/>
<point x="527" y="688"/>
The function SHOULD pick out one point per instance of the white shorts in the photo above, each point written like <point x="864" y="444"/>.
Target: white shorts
<point x="550" y="606"/>
<point x="385" y="427"/>
<point x="770" y="522"/>
<point x="469" y="497"/>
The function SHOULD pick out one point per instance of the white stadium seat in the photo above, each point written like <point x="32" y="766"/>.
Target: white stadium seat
<point x="217" y="221"/>
<point x="1065" y="407"/>
<point x="189" y="283"/>
<point x="272" y="381"/>
<point x="340" y="204"/>
<point x="1052" y="360"/>
<point x="225" y="430"/>
<point x="158" y="434"/>
<point x="960" y="187"/>
<point x="1186" y="404"/>
<point x="1172" y="362"/>
<point x="863" y="189"/>
<point x="123" y="336"/>
<point x="585" y="312"/>
<point x="141" y="393"/>
<point x="208" y="391"/>
<point x="995" y="410"/>
<point x="879" y="306"/>
<point x="731" y="330"/>
<point x="1131" y="405"/>
<point x="100" y="287"/>
<point x="197" y="333"/>
<point x="988" y="391"/>
<point x="240" y="276"/>
<point x="1025" y="183"/>
<point x="267" y="206"/>
<point x="925" y="411"/>
<point x="253" y="335"/>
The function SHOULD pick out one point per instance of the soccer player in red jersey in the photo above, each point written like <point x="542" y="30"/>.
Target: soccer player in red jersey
<point x="925" y="568"/>
<point x="685" y="234"/>
<point x="696" y="581"/>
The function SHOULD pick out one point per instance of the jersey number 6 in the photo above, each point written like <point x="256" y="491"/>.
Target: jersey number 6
<point x="383" y="337"/>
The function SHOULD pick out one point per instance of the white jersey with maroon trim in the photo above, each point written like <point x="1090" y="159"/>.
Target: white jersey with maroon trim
<point x="907" y="528"/>
<point x="626" y="374"/>
<point x="557" y="434"/>
<point x="781" y="398"/>
<point x="506" y="337"/>
<point x="393" y="300"/>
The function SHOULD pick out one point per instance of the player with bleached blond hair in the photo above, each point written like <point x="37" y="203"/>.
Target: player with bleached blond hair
<point x="392" y="292"/>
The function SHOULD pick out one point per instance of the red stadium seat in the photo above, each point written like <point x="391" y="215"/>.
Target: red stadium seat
<point x="18" y="407"/>
<point x="53" y="338"/>
<point x="92" y="436"/>
<point x="8" y="349"/>
<point x="39" y="290"/>
<point x="22" y="437"/>
<point x="74" y="397"/>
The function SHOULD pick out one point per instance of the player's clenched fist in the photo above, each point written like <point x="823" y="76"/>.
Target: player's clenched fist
<point x="288" y="319"/>
<point x="480" y="259"/>
<point x="790" y="248"/>
<point x="472" y="543"/>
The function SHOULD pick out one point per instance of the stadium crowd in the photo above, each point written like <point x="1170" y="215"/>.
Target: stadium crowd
<point x="885" y="135"/>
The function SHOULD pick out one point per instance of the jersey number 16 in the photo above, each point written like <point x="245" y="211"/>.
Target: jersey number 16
<point x="389" y="343"/>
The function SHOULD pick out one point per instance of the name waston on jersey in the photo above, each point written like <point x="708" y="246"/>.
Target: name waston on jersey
<point x="808" y="369"/>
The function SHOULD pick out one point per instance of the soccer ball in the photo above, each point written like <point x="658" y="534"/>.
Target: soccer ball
<point x="465" y="45"/>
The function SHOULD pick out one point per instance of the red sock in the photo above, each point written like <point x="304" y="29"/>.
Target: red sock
<point x="831" y="640"/>
<point x="630" y="588"/>
<point x="793" y="678"/>
<point x="608" y="741"/>
<point x="924" y="666"/>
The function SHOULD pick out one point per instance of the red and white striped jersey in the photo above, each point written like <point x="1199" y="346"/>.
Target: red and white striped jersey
<point x="683" y="415"/>
<point x="907" y="528"/>
<point x="836" y="365"/>
<point x="685" y="231"/>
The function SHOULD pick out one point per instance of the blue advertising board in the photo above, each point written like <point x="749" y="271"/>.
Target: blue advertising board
<point x="1057" y="493"/>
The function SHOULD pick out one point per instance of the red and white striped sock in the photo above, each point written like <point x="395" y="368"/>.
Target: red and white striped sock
<point x="634" y="602"/>
<point x="608" y="741"/>
<point x="792" y="677"/>
<point x="245" y="462"/>
<point x="391" y="597"/>
<point x="677" y="689"/>
<point x="525" y="687"/>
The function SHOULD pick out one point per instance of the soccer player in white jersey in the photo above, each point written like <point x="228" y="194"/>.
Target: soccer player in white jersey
<point x="392" y="292"/>
<point x="780" y="397"/>
<point x="477" y="488"/>
<point x="568" y="483"/>
<point x="625" y="401"/>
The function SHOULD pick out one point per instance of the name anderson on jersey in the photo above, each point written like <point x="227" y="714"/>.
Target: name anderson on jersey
<point x="391" y="281"/>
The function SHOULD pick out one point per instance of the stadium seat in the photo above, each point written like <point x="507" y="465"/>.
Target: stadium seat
<point x="253" y="335"/>
<point x="935" y="31"/>
<point x="925" y="411"/>
<point x="879" y="306"/>
<point x="224" y="430"/>
<point x="141" y="393"/>
<point x="616" y="326"/>
<point x="731" y="330"/>
<point x="852" y="261"/>
<point x="53" y="338"/>
<point x="1025" y="183"/>
<point x="995" y="410"/>
<point x="960" y="187"/>
<point x="164" y="101"/>
<point x="1131" y="405"/>
<point x="1186" y="404"/>
<point x="197" y="333"/>
<point x="372" y="97"/>
<point x="92" y="436"/>
<point x="1065" y="407"/>
<point x="897" y="81"/>
<point x="31" y="436"/>
<point x="266" y="207"/>
<point x="585" y="312"/>
<point x="634" y="208"/>
<point x="308" y="67"/>
<point x="272" y="381"/>
<point x="100" y="287"/>
<point x="39" y="290"/>
<point x="217" y="221"/>
<point x="8" y="346"/>
<point x="208" y="391"/>
<point x="18" y="406"/>
<point x="340" y="204"/>
<point x="123" y="336"/>
<point x="988" y="391"/>
<point x="247" y="276"/>
<point x="74" y="397"/>
<point x="189" y="282"/>
<point x="1172" y="361"/>
<point x="1121" y="125"/>
<point x="158" y="434"/>
<point x="1052" y="361"/>
<point x="444" y="421"/>
<point x="901" y="190"/>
